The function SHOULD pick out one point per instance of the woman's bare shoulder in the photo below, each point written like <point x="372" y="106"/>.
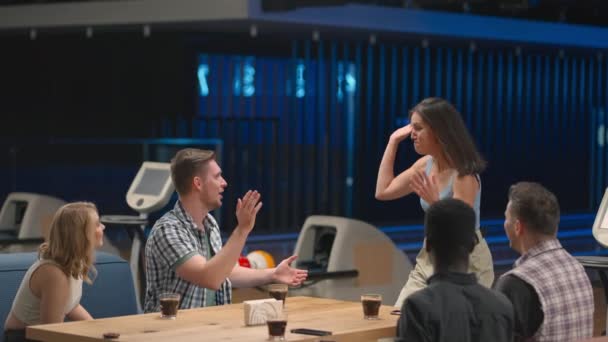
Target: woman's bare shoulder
<point x="48" y="275"/>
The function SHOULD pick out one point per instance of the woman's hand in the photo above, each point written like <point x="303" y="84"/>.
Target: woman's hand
<point x="401" y="133"/>
<point x="426" y="187"/>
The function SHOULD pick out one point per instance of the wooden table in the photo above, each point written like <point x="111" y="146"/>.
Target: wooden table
<point x="226" y="323"/>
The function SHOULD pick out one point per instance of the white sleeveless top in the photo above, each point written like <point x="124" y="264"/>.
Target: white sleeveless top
<point x="26" y="306"/>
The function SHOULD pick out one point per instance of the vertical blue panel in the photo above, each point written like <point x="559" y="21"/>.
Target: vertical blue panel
<point x="350" y="139"/>
<point x="469" y="93"/>
<point x="498" y="126"/>
<point x="333" y="89"/>
<point x="582" y="113"/>
<point x="271" y="175"/>
<point x="538" y="131"/>
<point x="282" y="109"/>
<point x="556" y="107"/>
<point x="597" y="150"/>
<point x="479" y="96"/>
<point x="603" y="160"/>
<point x="601" y="157"/>
<point x="217" y="81"/>
<point x="596" y="176"/>
<point x="226" y="97"/>
<point x="405" y="105"/>
<point x="381" y="94"/>
<point x="308" y="109"/>
<point x="427" y="72"/>
<point x="293" y="139"/>
<point x="256" y="152"/>
<point x="369" y="86"/>
<point x="224" y="84"/>
<point x="592" y="105"/>
<point x="393" y="89"/>
<point x="357" y="108"/>
<point x="459" y="80"/>
<point x="416" y="76"/>
<point x="572" y="110"/>
<point x="449" y="95"/>
<point x="207" y="126"/>
<point x="404" y="81"/>
<point x="203" y="89"/>
<point x="490" y="111"/>
<point x="593" y="135"/>
<point x="224" y="104"/>
<point x="308" y="124"/>
<point x="565" y="109"/>
<point x="334" y="124"/>
<point x="546" y="108"/>
<point x="527" y="114"/>
<point x="509" y="111"/>
<point x="517" y="117"/>
<point x="321" y="131"/>
<point x="438" y="72"/>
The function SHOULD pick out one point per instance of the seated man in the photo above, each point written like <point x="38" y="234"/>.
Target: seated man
<point x="454" y="307"/>
<point x="184" y="252"/>
<point x="550" y="291"/>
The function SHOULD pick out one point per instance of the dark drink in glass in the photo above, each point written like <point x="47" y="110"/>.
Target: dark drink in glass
<point x="371" y="305"/>
<point x="169" y="304"/>
<point x="278" y="292"/>
<point x="276" y="328"/>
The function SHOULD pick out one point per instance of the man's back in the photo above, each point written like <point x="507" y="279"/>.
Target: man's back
<point x="563" y="290"/>
<point x="454" y="307"/>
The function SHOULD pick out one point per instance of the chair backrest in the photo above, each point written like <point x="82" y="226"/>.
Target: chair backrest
<point x="12" y="269"/>
<point x="112" y="292"/>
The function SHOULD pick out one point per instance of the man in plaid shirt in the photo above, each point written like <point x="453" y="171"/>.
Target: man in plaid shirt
<point x="550" y="291"/>
<point x="184" y="252"/>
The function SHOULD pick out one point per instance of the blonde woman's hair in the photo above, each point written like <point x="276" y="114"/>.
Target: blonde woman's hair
<point x="71" y="242"/>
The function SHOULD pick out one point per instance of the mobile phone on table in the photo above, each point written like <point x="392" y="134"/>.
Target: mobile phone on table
<point x="314" y="332"/>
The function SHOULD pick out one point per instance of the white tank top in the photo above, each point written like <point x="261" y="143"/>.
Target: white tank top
<point x="26" y="306"/>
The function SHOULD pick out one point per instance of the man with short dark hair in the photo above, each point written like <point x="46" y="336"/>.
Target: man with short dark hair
<point x="184" y="252"/>
<point x="550" y="291"/>
<point x="454" y="307"/>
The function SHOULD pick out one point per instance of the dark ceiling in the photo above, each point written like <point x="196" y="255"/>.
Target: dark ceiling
<point x="586" y="12"/>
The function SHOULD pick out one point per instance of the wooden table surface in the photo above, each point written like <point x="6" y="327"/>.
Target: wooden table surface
<point x="226" y="323"/>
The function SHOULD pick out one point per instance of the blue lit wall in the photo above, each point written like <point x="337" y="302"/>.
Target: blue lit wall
<point x="281" y="119"/>
<point x="313" y="125"/>
<point x="303" y="121"/>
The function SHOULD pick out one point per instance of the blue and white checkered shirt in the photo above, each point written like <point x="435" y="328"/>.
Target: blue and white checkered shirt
<point x="173" y="240"/>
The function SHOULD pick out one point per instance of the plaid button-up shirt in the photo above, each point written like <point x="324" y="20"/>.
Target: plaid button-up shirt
<point x="563" y="289"/>
<point x="173" y="240"/>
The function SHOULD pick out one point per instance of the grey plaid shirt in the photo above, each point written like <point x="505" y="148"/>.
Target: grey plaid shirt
<point x="563" y="289"/>
<point x="173" y="240"/>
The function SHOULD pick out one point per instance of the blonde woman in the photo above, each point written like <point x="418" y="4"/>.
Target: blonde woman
<point x="52" y="286"/>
